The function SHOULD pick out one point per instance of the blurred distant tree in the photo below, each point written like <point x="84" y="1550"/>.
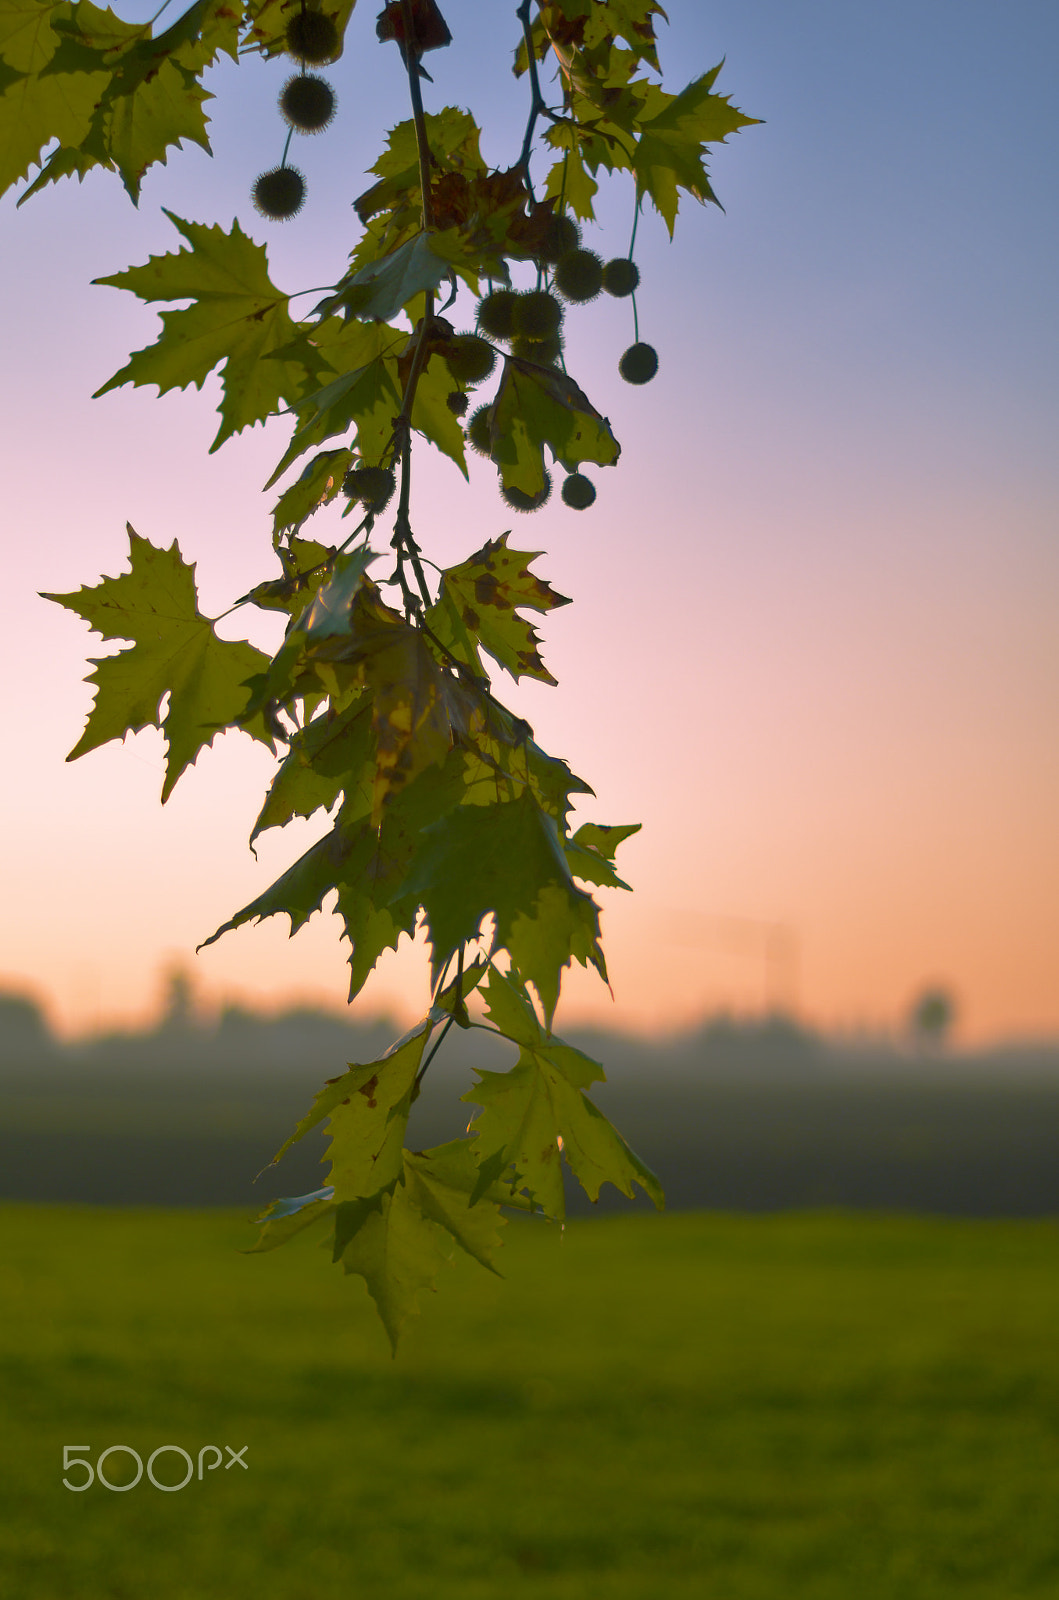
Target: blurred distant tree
<point x="446" y="817"/>
<point x="931" y="1017"/>
<point x="180" y="1008"/>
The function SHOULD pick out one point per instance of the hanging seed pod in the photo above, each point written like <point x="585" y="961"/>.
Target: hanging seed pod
<point x="519" y="500"/>
<point x="579" y="276"/>
<point x="470" y="358"/>
<point x="307" y="103"/>
<point x="578" y="492"/>
<point x="457" y="402"/>
<point x="478" y="430"/>
<point x="639" y="363"/>
<point x="544" y="352"/>
<point x="563" y="235"/>
<point x="621" y="277"/>
<point x="372" y="486"/>
<point x="312" y="37"/>
<point x="279" y="194"/>
<point x="537" y="315"/>
<point x="496" y="313"/>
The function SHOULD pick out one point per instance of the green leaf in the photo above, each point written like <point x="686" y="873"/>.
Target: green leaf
<point x="507" y="859"/>
<point x="431" y="415"/>
<point x="537" y="406"/>
<point x="329" y="614"/>
<point x="569" y="179"/>
<point x="509" y="1008"/>
<point x="381" y="290"/>
<point x="674" y="132"/>
<point x="147" y="96"/>
<point x="591" y="853"/>
<point x="348" y="626"/>
<point x="320" y="630"/>
<point x="298" y="892"/>
<point x="481" y="597"/>
<point x="332" y="754"/>
<point x="306" y="565"/>
<point x="163" y="108"/>
<point x="367" y="867"/>
<point x="174" y="651"/>
<point x="367" y="1108"/>
<point x="398" y="1240"/>
<point x="396" y="1249"/>
<point x="33" y="111"/>
<point x="374" y="898"/>
<point x="28" y="39"/>
<point x="364" y="394"/>
<point x="538" y="1110"/>
<point x="631" y="20"/>
<point x="441" y="1181"/>
<point x="562" y="926"/>
<point x="285" y="1218"/>
<point x="319" y="483"/>
<point x="238" y="320"/>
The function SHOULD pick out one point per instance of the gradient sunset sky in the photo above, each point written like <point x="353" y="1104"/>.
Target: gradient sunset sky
<point x="814" y="644"/>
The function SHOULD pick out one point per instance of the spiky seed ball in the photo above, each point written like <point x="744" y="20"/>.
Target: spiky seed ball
<point x="457" y="402"/>
<point x="307" y="103"/>
<point x="579" y="276"/>
<point x="578" y="492"/>
<point x="372" y="486"/>
<point x="519" y="500"/>
<point x="478" y="430"/>
<point x="621" y="276"/>
<point x="639" y="363"/>
<point x="563" y="235"/>
<point x="470" y="358"/>
<point x="538" y="315"/>
<point x="279" y="194"/>
<point x="496" y="313"/>
<point x="545" y="352"/>
<point x="312" y="37"/>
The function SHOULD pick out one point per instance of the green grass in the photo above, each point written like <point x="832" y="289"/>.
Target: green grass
<point x="816" y="1406"/>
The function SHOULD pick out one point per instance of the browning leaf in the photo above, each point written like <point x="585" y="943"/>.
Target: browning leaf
<point x="479" y="600"/>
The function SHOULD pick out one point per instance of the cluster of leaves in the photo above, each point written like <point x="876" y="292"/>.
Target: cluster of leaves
<point x="445" y="816"/>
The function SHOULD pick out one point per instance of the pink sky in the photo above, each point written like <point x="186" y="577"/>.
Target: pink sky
<point x="813" y="641"/>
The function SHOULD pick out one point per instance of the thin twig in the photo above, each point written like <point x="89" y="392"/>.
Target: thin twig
<point x="403" y="540"/>
<point x="435" y="1047"/>
<point x="411" y="59"/>
<point x="459" y="1013"/>
<point x="537" y="101"/>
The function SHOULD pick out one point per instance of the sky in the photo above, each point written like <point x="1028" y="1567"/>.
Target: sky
<point x="813" y="645"/>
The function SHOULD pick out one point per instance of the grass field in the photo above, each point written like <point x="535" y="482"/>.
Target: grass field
<point x="744" y="1408"/>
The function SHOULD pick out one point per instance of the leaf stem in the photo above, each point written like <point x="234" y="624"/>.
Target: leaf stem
<point x="434" y="1048"/>
<point x="459" y="1013"/>
<point x="151" y="21"/>
<point x="635" y="224"/>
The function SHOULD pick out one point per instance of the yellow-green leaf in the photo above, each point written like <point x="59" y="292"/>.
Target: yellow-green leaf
<point x="238" y="320"/>
<point x="175" y="652"/>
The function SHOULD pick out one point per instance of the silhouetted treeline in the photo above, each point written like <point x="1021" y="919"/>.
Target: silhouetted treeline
<point x="736" y="1115"/>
